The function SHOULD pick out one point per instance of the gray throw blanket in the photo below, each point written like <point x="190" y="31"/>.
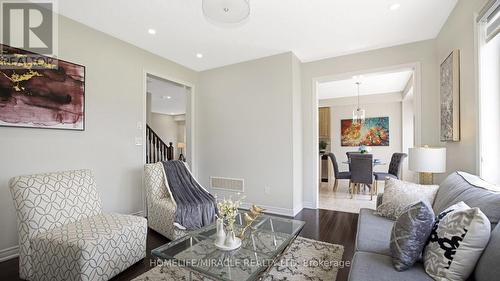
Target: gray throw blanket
<point x="196" y="207"/>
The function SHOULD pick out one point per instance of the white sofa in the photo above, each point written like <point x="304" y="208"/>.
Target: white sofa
<point x="160" y="204"/>
<point x="63" y="233"/>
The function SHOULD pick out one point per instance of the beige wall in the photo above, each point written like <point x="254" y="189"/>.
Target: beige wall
<point x="252" y="121"/>
<point x="423" y="53"/>
<point x="115" y="98"/>
<point x="246" y="129"/>
<point x="458" y="33"/>
<point x="165" y="126"/>
<point x="384" y="105"/>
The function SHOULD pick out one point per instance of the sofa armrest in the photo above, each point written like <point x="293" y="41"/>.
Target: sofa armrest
<point x="379" y="199"/>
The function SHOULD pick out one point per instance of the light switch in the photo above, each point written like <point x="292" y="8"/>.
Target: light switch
<point x="139" y="125"/>
<point x="138" y="141"/>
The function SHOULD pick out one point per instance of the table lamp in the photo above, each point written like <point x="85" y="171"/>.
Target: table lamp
<point x="181" y="146"/>
<point x="427" y="161"/>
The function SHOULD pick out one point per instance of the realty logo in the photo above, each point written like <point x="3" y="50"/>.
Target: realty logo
<point x="29" y="25"/>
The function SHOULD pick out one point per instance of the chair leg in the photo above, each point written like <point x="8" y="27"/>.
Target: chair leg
<point x="351" y="189"/>
<point x="371" y="191"/>
<point x="335" y="185"/>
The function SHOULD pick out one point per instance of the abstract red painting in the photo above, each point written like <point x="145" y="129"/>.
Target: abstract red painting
<point x="46" y="94"/>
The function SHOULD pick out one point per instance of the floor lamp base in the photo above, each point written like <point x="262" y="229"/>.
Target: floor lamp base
<point x="426" y="178"/>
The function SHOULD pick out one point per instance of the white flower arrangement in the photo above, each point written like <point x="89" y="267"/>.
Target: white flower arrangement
<point x="228" y="210"/>
<point x="365" y="149"/>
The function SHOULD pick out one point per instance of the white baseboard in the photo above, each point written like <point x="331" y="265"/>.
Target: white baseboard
<point x="270" y="209"/>
<point x="9" y="253"/>
<point x="13" y="252"/>
<point x="297" y="209"/>
<point x="308" y="205"/>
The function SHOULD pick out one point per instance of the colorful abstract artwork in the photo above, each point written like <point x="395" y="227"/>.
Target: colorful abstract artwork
<point x="50" y="94"/>
<point x="372" y="132"/>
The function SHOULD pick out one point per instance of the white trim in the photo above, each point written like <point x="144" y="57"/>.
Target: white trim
<point x="307" y="205"/>
<point x="297" y="209"/>
<point x="478" y="39"/>
<point x="191" y="117"/>
<point x="315" y="148"/>
<point x="270" y="209"/>
<point x="417" y="72"/>
<point x="9" y="253"/>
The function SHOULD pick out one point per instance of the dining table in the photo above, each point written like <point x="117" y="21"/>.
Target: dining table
<point x="376" y="162"/>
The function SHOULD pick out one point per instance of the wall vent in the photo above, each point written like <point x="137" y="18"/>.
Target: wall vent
<point x="234" y="185"/>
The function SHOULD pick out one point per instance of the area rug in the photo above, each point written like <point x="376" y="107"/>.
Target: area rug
<point x="305" y="259"/>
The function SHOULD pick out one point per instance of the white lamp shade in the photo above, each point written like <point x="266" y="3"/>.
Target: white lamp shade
<point x="427" y="159"/>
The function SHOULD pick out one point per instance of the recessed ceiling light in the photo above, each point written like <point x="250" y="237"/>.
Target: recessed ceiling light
<point x="151" y="31"/>
<point x="199" y="55"/>
<point x="166" y="97"/>
<point x="394" y="6"/>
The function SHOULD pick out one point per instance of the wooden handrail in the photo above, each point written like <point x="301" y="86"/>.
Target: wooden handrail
<point x="156" y="149"/>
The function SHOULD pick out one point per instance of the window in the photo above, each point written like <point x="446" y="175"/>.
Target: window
<point x="489" y="91"/>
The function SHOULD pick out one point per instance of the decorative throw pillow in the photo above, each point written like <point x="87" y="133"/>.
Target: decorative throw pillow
<point x="457" y="241"/>
<point x="410" y="233"/>
<point x="398" y="195"/>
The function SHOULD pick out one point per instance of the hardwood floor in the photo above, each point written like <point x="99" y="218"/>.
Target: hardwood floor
<point x="323" y="225"/>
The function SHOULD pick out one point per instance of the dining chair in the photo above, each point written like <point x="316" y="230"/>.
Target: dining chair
<point x="349" y="153"/>
<point x="361" y="172"/>
<point x="338" y="175"/>
<point x="395" y="169"/>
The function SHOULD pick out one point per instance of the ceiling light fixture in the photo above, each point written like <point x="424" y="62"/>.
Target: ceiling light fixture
<point x="199" y="55"/>
<point x="394" y="6"/>
<point x="151" y="31"/>
<point x="166" y="97"/>
<point x="226" y="11"/>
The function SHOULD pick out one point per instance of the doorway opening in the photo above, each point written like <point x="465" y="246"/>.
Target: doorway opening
<point x="168" y="121"/>
<point x="389" y="100"/>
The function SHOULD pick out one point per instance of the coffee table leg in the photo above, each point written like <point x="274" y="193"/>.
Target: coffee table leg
<point x="272" y="230"/>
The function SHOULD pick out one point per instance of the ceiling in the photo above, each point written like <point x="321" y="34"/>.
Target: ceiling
<point x="371" y="84"/>
<point x="166" y="97"/>
<point x="312" y="29"/>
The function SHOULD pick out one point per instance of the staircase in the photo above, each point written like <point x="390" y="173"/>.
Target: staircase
<point x="156" y="149"/>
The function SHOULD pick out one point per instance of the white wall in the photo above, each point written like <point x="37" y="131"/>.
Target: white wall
<point x="246" y="128"/>
<point x="115" y="102"/>
<point x="376" y="106"/>
<point x="458" y="33"/>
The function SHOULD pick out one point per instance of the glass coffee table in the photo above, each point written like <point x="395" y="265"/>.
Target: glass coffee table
<point x="262" y="246"/>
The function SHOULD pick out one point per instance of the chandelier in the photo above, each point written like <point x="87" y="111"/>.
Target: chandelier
<point x="358" y="115"/>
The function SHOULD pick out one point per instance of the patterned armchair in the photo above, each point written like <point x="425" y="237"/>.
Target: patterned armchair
<point x="63" y="234"/>
<point x="160" y="204"/>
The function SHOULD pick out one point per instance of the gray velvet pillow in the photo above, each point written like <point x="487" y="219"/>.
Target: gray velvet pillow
<point x="410" y="233"/>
